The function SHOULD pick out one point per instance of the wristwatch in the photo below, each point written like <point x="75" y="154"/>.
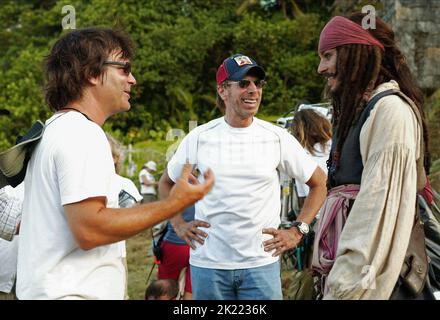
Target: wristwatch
<point x="302" y="227"/>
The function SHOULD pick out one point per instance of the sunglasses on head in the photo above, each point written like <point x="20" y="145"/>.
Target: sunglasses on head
<point x="126" y="66"/>
<point x="246" y="83"/>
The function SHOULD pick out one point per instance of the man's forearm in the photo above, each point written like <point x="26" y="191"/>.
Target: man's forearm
<point x="93" y="224"/>
<point x="109" y="225"/>
<point x="165" y="185"/>
<point x="316" y="197"/>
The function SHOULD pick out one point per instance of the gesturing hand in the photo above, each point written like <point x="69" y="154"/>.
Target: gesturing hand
<point x="189" y="231"/>
<point x="188" y="190"/>
<point x="282" y="240"/>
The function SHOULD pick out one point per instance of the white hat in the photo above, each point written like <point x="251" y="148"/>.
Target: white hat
<point x="150" y="165"/>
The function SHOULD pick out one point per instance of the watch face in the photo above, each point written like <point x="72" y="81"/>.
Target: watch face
<point x="303" y="228"/>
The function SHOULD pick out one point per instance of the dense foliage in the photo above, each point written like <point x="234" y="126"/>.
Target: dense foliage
<point x="180" y="43"/>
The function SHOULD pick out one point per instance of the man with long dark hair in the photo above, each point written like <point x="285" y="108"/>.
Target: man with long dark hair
<point x="379" y="143"/>
<point x="70" y="222"/>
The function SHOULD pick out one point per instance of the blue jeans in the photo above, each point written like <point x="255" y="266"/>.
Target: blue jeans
<point x="261" y="283"/>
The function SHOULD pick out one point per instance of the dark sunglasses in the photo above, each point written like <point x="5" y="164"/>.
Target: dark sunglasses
<point x="126" y="66"/>
<point x="246" y="83"/>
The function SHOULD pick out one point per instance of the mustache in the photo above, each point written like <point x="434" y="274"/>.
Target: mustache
<point x="328" y="75"/>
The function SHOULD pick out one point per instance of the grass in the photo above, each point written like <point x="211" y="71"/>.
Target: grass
<point x="139" y="265"/>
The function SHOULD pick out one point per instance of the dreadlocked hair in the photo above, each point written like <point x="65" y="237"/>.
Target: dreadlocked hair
<point x="358" y="69"/>
<point x="362" y="68"/>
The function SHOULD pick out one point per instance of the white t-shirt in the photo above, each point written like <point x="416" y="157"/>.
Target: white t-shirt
<point x="9" y="249"/>
<point x="147" y="189"/>
<point x="72" y="162"/>
<point x="246" y="195"/>
<point x="129" y="198"/>
<point x="321" y="157"/>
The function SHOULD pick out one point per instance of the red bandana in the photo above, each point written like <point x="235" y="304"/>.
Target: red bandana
<point x="339" y="31"/>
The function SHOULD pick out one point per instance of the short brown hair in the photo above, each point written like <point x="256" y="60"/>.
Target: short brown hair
<point x="78" y="56"/>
